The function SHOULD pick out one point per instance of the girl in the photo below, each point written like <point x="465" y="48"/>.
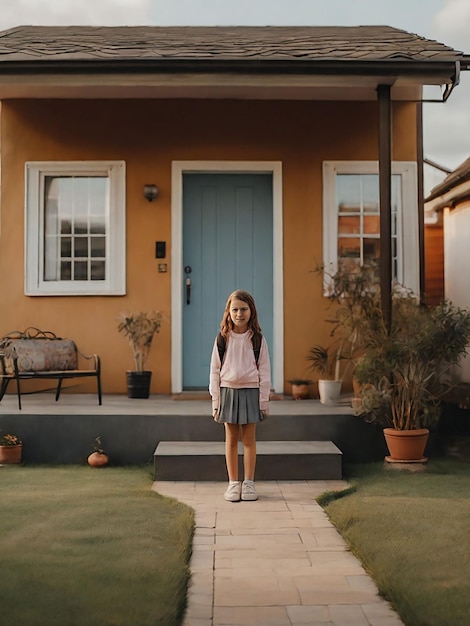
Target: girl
<point x="240" y="381"/>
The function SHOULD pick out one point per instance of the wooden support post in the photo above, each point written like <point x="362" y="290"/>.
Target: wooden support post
<point x="385" y="186"/>
<point x="421" y="238"/>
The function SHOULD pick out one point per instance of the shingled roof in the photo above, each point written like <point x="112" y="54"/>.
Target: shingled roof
<point x="49" y="44"/>
<point x="299" y="62"/>
<point x="452" y="182"/>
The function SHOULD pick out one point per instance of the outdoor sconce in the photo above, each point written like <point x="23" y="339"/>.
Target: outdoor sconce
<point x="150" y="192"/>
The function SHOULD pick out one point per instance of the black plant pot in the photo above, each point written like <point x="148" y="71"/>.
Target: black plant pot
<point x="138" y="384"/>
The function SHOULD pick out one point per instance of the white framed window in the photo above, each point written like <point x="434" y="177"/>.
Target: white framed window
<point x="75" y="228"/>
<point x="351" y="217"/>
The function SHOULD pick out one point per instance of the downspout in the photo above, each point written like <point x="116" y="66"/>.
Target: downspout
<point x="455" y="81"/>
<point x="385" y="189"/>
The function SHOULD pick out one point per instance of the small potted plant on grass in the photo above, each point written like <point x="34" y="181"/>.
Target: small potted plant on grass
<point x="139" y="328"/>
<point x="11" y="448"/>
<point x="98" y="458"/>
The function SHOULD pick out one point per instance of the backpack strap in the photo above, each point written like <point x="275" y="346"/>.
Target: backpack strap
<point x="221" y="345"/>
<point x="256" y="340"/>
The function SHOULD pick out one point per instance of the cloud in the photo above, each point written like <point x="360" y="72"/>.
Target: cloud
<point x="452" y="24"/>
<point x="446" y="137"/>
<point x="71" y="12"/>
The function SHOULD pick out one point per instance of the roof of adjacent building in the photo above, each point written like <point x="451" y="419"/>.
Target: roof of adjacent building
<point x="347" y="44"/>
<point x="460" y="175"/>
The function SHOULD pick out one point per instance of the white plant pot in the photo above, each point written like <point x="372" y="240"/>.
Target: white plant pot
<point x="329" y="391"/>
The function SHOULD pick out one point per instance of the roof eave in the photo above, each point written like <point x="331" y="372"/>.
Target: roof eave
<point x="442" y="71"/>
<point x="448" y="198"/>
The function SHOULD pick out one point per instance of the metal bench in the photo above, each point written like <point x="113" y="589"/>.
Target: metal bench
<point x="40" y="354"/>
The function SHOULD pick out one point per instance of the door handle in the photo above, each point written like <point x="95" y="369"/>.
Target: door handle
<point x="188" y="271"/>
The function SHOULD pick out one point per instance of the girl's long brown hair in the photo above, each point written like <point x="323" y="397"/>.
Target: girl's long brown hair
<point x="226" y="325"/>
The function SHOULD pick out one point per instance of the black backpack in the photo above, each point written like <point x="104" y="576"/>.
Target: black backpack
<point x="256" y="339"/>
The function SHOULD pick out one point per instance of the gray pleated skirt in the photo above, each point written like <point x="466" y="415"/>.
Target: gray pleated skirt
<point x="239" y="406"/>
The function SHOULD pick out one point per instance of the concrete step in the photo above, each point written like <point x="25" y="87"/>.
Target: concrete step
<point x="276" y="460"/>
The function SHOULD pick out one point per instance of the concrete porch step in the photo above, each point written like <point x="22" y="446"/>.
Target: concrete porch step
<point x="276" y="460"/>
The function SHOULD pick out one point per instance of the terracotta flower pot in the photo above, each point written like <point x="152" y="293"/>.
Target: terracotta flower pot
<point x="300" y="391"/>
<point x="406" y="446"/>
<point x="98" y="459"/>
<point x="11" y="454"/>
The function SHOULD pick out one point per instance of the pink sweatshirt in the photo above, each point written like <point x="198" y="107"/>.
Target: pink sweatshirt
<point x="239" y="369"/>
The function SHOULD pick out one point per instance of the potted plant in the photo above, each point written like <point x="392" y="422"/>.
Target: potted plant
<point x="352" y="293"/>
<point x="300" y="388"/>
<point x="98" y="458"/>
<point x="407" y="370"/>
<point x="326" y="361"/>
<point x="139" y="328"/>
<point x="11" y="448"/>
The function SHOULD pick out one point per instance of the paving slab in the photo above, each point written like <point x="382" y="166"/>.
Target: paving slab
<point x="277" y="561"/>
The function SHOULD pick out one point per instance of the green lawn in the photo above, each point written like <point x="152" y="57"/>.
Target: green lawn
<point x="83" y="546"/>
<point x="412" y="533"/>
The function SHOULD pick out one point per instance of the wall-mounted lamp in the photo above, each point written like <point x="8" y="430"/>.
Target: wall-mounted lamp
<point x="150" y="192"/>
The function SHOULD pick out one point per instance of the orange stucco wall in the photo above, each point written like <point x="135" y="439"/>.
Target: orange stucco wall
<point x="149" y="135"/>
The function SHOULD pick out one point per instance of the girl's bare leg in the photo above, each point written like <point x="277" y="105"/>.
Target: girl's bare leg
<point x="232" y="433"/>
<point x="249" y="450"/>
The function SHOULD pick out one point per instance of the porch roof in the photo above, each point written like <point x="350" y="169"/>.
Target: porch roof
<point x="150" y="61"/>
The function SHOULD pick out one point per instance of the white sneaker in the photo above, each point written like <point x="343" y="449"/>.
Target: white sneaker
<point x="233" y="492"/>
<point x="249" y="491"/>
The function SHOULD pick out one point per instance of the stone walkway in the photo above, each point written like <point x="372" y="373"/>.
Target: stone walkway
<point x="274" y="562"/>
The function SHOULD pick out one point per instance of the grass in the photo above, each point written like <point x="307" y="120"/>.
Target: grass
<point x="412" y="533"/>
<point x="81" y="546"/>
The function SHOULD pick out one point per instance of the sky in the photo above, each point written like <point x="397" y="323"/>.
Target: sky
<point x="446" y="126"/>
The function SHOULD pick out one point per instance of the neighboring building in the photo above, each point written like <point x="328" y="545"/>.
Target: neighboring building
<point x="265" y="145"/>
<point x="450" y="200"/>
<point x="434" y="174"/>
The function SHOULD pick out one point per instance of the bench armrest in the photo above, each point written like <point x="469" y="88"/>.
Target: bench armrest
<point x="91" y="357"/>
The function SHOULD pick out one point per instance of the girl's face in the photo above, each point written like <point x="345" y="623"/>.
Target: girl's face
<point x="240" y="314"/>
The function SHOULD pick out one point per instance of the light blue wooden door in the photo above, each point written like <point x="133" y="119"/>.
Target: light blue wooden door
<point x="227" y="245"/>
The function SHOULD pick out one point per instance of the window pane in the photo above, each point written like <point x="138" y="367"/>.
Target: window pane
<point x="372" y="224"/>
<point x="349" y="247"/>
<point x="371" y="250"/>
<point x="65" y="270"/>
<point x="97" y="225"/>
<point x="81" y="246"/>
<point x="97" y="270"/>
<point x="349" y="224"/>
<point x="98" y="246"/>
<point x="370" y="192"/>
<point x="348" y="192"/>
<point x="66" y="247"/>
<point x="65" y="226"/>
<point x="74" y="208"/>
<point x="80" y="270"/>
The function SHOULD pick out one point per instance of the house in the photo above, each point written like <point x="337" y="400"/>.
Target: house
<point x="450" y="200"/>
<point x="269" y="149"/>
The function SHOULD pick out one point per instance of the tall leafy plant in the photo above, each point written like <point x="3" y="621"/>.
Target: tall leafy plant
<point x="405" y="373"/>
<point x="354" y="295"/>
